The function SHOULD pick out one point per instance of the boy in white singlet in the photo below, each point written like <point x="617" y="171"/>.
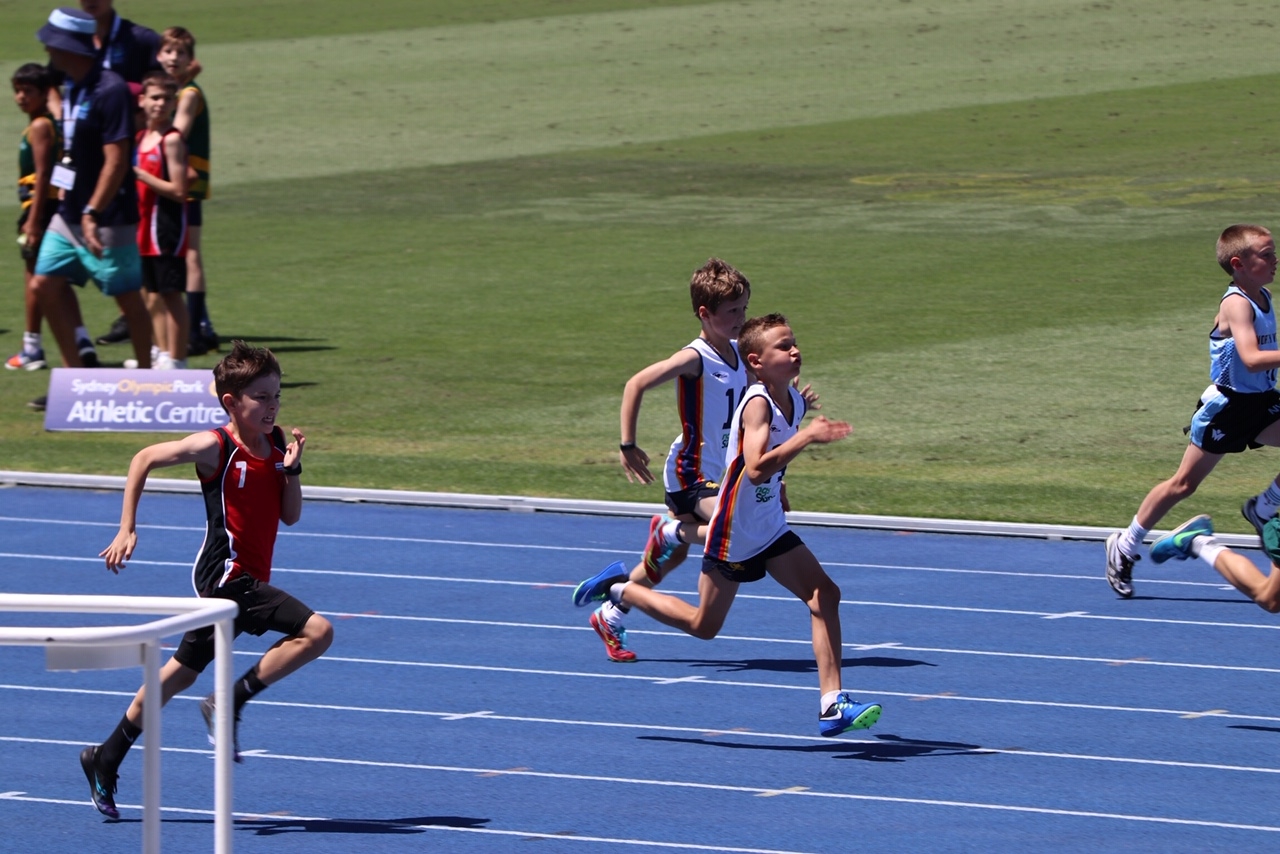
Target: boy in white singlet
<point x="710" y="380"/>
<point x="1239" y="410"/>
<point x="748" y="535"/>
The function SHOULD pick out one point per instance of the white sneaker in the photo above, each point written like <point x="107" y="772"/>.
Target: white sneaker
<point x="162" y="362"/>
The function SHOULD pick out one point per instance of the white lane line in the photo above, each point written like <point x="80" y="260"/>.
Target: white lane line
<point x="1216" y="585"/>
<point x="1080" y="615"/>
<point x="857" y="647"/>
<point x="287" y="819"/>
<point x="713" y="732"/>
<point x="798" y="792"/>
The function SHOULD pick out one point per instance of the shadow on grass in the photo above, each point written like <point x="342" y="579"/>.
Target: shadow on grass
<point x="279" y="343"/>
<point x="790" y="665"/>
<point x="886" y="748"/>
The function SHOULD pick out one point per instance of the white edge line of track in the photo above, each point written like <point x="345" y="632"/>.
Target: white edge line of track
<point x="534" y="504"/>
<point x="684" y="730"/>
<point x="681" y="784"/>
<point x="247" y="817"/>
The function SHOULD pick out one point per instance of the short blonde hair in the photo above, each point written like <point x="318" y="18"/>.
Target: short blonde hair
<point x="1235" y="241"/>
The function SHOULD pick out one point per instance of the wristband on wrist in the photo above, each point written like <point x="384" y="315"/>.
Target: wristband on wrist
<point x="626" y="446"/>
<point x="293" y="470"/>
<point x="90" y="212"/>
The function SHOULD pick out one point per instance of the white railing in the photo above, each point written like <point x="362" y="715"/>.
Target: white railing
<point x="106" y="647"/>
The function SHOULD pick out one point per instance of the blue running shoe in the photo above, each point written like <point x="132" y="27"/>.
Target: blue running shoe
<point x="1176" y="545"/>
<point x="847" y="714"/>
<point x="102" y="784"/>
<point x="596" y="588"/>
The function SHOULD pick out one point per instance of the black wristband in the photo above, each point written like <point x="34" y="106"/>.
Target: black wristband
<point x="293" y="470"/>
<point x="626" y="446"/>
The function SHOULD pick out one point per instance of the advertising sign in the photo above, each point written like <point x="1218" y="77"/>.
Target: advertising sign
<point x="120" y="400"/>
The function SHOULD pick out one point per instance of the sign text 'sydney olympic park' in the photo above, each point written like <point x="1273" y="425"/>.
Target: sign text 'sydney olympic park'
<point x="106" y="399"/>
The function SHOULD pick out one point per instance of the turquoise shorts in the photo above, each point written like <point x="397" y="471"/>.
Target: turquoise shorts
<point x="118" y="271"/>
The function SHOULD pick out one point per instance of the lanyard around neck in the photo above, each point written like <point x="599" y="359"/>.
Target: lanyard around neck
<point x="106" y="48"/>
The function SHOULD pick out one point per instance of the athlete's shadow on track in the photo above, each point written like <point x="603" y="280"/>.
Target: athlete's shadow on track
<point x="1227" y="598"/>
<point x="887" y="748"/>
<point x="790" y="665"/>
<point x="398" y="826"/>
<point x="394" y="826"/>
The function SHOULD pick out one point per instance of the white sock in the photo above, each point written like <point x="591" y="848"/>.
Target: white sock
<point x="828" y="700"/>
<point x="30" y="342"/>
<point x="1268" y="501"/>
<point x="615" y="592"/>
<point x="612" y="614"/>
<point x="1207" y="549"/>
<point x="1131" y="540"/>
<point x="670" y="532"/>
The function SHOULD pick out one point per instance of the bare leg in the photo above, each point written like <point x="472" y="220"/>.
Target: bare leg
<point x="58" y="302"/>
<point x="1195" y="467"/>
<point x="799" y="571"/>
<point x="195" y="260"/>
<point x="288" y="654"/>
<point x="693" y="531"/>
<point x="135" y="313"/>
<point x="31" y="304"/>
<point x="174" y="679"/>
<point x="176" y="323"/>
<point x="159" y="329"/>
<point x="1249" y="580"/>
<point x="715" y="596"/>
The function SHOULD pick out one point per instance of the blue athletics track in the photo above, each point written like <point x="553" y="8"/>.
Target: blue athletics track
<point x="466" y="706"/>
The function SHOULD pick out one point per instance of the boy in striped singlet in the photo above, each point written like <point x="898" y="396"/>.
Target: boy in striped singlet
<point x="249" y="478"/>
<point x="710" y="379"/>
<point x="748" y="536"/>
<point x="1239" y="410"/>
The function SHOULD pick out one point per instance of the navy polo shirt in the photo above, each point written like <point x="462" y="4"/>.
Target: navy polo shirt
<point x="104" y="114"/>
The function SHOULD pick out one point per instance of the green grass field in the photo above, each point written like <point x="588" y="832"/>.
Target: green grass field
<point x="464" y="225"/>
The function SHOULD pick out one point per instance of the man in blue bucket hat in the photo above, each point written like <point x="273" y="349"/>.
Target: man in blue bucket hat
<point x="94" y="233"/>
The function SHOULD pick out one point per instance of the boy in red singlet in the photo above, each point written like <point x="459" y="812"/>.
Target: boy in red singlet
<point x="161" y="172"/>
<point x="249" y="478"/>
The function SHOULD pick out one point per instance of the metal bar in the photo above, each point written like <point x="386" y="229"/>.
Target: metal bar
<point x="224" y="740"/>
<point x="152" y="700"/>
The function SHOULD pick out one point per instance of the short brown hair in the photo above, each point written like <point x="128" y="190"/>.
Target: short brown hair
<point x="716" y="282"/>
<point x="751" y="338"/>
<point x="242" y="367"/>
<point x="1235" y="241"/>
<point x="161" y="79"/>
<point x="180" y="36"/>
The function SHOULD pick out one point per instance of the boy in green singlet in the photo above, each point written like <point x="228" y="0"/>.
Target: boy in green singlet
<point x="39" y="150"/>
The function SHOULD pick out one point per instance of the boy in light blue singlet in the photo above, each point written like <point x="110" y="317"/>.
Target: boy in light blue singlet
<point x="1239" y="410"/>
